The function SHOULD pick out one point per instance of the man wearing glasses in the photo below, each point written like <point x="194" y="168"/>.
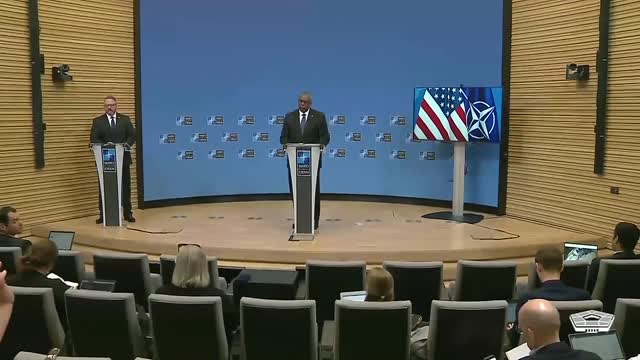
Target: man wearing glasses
<point x="115" y="127"/>
<point x="308" y="126"/>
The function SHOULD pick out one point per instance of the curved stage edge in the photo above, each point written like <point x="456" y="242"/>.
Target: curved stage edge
<point x="255" y="234"/>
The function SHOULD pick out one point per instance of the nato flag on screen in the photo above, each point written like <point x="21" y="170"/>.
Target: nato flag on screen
<point x="483" y="114"/>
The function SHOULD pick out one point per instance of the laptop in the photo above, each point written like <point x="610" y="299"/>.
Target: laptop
<point x="62" y="239"/>
<point x="353" y="295"/>
<point x="511" y="312"/>
<point x="576" y="251"/>
<point x="98" y="285"/>
<point x="604" y="344"/>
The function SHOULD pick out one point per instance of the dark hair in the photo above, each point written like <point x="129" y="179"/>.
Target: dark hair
<point x="4" y="214"/>
<point x="43" y="254"/>
<point x="627" y="235"/>
<point x="550" y="258"/>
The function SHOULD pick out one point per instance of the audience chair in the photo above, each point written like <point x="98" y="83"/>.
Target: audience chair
<point x="616" y="279"/>
<point x="418" y="282"/>
<point x="188" y="327"/>
<point x="485" y="280"/>
<point x="10" y="258"/>
<point x="33" y="356"/>
<point x="627" y="323"/>
<point x="34" y="325"/>
<point x="168" y="264"/>
<point x="466" y="329"/>
<point x="325" y="281"/>
<point x="574" y="274"/>
<point x="70" y="266"/>
<point x="130" y="272"/>
<point x="567" y="308"/>
<point x="278" y="329"/>
<point x="372" y="330"/>
<point x="104" y="324"/>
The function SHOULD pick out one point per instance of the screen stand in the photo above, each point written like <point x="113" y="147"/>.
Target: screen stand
<point x="457" y="213"/>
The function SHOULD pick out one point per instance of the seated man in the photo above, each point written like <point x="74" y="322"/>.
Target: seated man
<point x="540" y="326"/>
<point x="625" y="239"/>
<point x="10" y="226"/>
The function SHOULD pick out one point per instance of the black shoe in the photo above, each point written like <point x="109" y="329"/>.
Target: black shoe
<point x="293" y="226"/>
<point x="315" y="227"/>
<point x="99" y="220"/>
<point x="130" y="218"/>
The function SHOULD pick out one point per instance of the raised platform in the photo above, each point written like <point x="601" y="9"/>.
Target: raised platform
<point x="257" y="233"/>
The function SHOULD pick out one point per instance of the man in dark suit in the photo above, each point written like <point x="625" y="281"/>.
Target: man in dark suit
<point x="10" y="226"/>
<point x="549" y="265"/>
<point x="540" y="325"/>
<point x="116" y="128"/>
<point x="625" y="240"/>
<point x="309" y="126"/>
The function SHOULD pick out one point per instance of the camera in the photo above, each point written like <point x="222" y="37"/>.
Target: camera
<point x="61" y="73"/>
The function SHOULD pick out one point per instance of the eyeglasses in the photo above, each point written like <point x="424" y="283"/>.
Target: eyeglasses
<point x="187" y="244"/>
<point x="110" y="105"/>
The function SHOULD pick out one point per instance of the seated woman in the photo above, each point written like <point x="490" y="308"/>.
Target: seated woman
<point x="35" y="268"/>
<point x="191" y="278"/>
<point x="379" y="285"/>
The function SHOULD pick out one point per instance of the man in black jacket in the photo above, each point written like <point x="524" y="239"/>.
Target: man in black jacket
<point x="309" y="126"/>
<point x="625" y="240"/>
<point x="115" y="127"/>
<point x="540" y="325"/>
<point x="10" y="226"/>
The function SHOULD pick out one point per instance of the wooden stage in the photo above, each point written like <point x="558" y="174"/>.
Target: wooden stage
<point x="256" y="234"/>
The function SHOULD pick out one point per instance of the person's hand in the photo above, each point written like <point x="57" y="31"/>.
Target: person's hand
<point x="6" y="295"/>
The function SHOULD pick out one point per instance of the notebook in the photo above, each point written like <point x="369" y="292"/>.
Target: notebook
<point x="604" y="344"/>
<point x="62" y="239"/>
<point x="576" y="251"/>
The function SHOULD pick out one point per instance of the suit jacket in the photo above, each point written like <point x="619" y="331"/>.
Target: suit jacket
<point x="11" y="241"/>
<point x="315" y="130"/>
<point x="560" y="351"/>
<point x="101" y="132"/>
<point x="595" y="266"/>
<point x="32" y="278"/>
<point x="553" y="290"/>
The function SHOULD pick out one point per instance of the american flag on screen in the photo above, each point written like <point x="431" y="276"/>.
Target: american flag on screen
<point x="442" y="115"/>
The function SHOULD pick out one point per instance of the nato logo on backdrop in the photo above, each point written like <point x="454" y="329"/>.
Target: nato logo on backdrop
<point x="199" y="137"/>
<point x="383" y="137"/>
<point x="411" y="138"/>
<point x="230" y="136"/>
<point x="247" y="120"/>
<point x="216" y="154"/>
<point x="276" y="119"/>
<point x="368" y="120"/>
<point x="168" y="138"/>
<point x="260" y="136"/>
<point x="246" y="153"/>
<point x="398" y="120"/>
<point x="353" y="136"/>
<point x="338" y="153"/>
<point x="338" y="120"/>
<point x="398" y="154"/>
<point x="277" y="153"/>
<point x="427" y="155"/>
<point x="186" y="155"/>
<point x="215" y="120"/>
<point x="368" y="153"/>
<point x="184" y="121"/>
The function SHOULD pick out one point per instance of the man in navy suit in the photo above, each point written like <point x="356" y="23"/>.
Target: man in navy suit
<point x="549" y="264"/>
<point x="309" y="126"/>
<point x="115" y="127"/>
<point x="540" y="325"/>
<point x="625" y="240"/>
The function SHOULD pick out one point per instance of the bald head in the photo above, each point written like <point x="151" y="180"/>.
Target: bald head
<point x="539" y="322"/>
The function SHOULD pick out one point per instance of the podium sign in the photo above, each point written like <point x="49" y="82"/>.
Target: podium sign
<point x="304" y="175"/>
<point x="109" y="158"/>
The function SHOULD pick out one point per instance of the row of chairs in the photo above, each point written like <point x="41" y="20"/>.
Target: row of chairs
<point x="105" y="324"/>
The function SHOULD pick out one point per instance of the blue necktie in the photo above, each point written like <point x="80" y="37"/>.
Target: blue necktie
<point x="303" y="122"/>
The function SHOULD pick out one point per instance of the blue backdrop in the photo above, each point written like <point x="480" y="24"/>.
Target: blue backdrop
<point x="217" y="77"/>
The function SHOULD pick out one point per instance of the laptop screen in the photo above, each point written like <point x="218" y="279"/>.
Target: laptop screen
<point x="354" y="295"/>
<point x="98" y="285"/>
<point x="605" y="344"/>
<point x="62" y="239"/>
<point x="574" y="251"/>
<point x="511" y="312"/>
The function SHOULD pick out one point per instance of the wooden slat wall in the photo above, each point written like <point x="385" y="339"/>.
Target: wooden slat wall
<point x="96" y="39"/>
<point x="551" y="144"/>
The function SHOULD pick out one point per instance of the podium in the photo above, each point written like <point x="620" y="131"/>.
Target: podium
<point x="304" y="160"/>
<point x="109" y="158"/>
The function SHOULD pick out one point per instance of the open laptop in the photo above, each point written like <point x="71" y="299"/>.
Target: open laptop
<point x="576" y="251"/>
<point x="353" y="295"/>
<point x="604" y="344"/>
<point x="98" y="285"/>
<point x="511" y="312"/>
<point x="62" y="239"/>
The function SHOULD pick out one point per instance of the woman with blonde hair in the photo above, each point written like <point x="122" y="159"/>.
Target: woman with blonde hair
<point x="191" y="278"/>
<point x="379" y="285"/>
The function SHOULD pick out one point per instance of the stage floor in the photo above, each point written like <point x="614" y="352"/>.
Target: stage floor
<point x="258" y="232"/>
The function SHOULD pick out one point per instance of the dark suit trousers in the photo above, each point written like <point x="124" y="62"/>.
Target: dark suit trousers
<point x="317" y="207"/>
<point x="126" y="192"/>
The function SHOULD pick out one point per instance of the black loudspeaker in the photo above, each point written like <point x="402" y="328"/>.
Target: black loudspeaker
<point x="61" y="73"/>
<point x="577" y="72"/>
